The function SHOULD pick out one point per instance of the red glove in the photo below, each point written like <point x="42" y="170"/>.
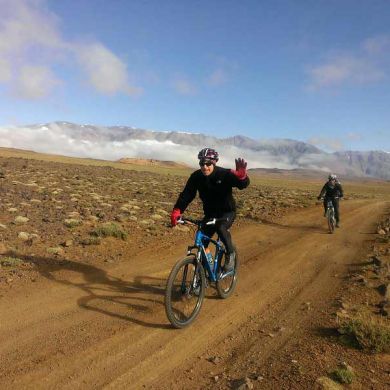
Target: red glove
<point x="176" y="213"/>
<point x="240" y="171"/>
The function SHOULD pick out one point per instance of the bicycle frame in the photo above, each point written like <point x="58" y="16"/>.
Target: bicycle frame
<point x="200" y="241"/>
<point x="211" y="269"/>
<point x="329" y="205"/>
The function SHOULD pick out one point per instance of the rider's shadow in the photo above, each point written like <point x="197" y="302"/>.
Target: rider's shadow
<point x="106" y="294"/>
<point x="127" y="305"/>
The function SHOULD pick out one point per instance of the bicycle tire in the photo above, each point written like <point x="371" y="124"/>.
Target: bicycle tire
<point x="179" y="296"/>
<point x="331" y="221"/>
<point x="229" y="282"/>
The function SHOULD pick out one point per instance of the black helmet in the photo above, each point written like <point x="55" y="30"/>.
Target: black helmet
<point x="208" y="154"/>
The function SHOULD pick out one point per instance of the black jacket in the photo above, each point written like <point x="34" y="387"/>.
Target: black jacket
<point x="331" y="192"/>
<point x="215" y="191"/>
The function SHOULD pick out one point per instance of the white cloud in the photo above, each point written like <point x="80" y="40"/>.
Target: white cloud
<point x="368" y="63"/>
<point x="344" y="69"/>
<point x="31" y="43"/>
<point x="24" y="23"/>
<point x="218" y="77"/>
<point x="330" y="144"/>
<point x="106" y="72"/>
<point x="377" y="45"/>
<point x="184" y="87"/>
<point x="54" y="139"/>
<point x="353" y="136"/>
<point x="35" y="82"/>
<point x="5" y="71"/>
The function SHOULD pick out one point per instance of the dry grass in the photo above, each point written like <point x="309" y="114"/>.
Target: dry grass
<point x="30" y="155"/>
<point x="10" y="262"/>
<point x="109" y="229"/>
<point x="369" y="187"/>
<point x="342" y="375"/>
<point x="65" y="198"/>
<point x="367" y="331"/>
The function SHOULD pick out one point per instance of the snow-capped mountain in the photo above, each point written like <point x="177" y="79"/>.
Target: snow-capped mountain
<point x="115" y="142"/>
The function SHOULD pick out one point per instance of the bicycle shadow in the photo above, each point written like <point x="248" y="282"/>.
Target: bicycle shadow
<point x="105" y="294"/>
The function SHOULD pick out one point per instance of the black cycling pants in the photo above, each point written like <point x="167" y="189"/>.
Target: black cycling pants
<point x="335" y="206"/>
<point x="222" y="228"/>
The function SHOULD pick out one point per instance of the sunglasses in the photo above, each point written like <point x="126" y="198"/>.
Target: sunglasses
<point x="207" y="163"/>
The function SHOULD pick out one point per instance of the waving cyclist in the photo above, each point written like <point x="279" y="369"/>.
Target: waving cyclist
<point x="214" y="185"/>
<point x="332" y="190"/>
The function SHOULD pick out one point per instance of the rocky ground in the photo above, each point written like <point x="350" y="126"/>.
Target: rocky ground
<point x="312" y="309"/>
<point x="348" y="335"/>
<point x="51" y="209"/>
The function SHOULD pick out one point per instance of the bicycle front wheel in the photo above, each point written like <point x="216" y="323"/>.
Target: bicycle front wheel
<point x="185" y="292"/>
<point x="331" y="221"/>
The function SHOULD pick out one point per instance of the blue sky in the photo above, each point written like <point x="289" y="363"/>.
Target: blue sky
<point x="316" y="71"/>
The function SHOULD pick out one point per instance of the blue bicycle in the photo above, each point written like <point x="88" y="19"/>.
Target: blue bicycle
<point x="191" y="276"/>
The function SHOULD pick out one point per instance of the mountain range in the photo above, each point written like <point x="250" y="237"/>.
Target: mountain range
<point x="115" y="142"/>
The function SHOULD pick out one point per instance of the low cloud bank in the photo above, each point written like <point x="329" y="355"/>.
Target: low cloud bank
<point x="54" y="140"/>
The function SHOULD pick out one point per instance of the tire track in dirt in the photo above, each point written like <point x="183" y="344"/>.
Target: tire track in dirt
<point x="247" y="349"/>
<point x="84" y="327"/>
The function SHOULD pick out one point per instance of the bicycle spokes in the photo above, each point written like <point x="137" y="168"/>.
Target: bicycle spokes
<point x="185" y="293"/>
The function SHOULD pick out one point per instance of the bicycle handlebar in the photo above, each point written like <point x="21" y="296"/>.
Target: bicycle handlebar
<point x="198" y="222"/>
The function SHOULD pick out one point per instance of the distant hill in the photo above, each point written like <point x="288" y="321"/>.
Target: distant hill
<point x="152" y="162"/>
<point x="114" y="142"/>
<point x="303" y="174"/>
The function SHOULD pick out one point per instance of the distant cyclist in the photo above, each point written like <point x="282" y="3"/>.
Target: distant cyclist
<point x="332" y="190"/>
<point x="214" y="185"/>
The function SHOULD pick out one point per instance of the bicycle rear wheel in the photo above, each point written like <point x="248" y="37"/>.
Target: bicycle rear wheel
<point x="185" y="292"/>
<point x="226" y="282"/>
<point x="331" y="221"/>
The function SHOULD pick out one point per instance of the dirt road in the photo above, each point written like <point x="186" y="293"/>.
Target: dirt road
<point x="84" y="327"/>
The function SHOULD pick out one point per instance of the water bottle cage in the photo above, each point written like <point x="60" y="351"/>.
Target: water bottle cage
<point x="210" y="258"/>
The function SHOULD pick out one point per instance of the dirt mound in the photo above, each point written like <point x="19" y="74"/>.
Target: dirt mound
<point x="152" y="162"/>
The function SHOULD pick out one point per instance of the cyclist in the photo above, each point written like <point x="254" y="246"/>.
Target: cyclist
<point x="214" y="185"/>
<point x="332" y="190"/>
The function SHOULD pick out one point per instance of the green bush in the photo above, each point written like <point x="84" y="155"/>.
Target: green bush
<point x="10" y="262"/>
<point x="72" y="222"/>
<point x="370" y="333"/>
<point x="109" y="229"/>
<point x="94" y="240"/>
<point x="342" y="375"/>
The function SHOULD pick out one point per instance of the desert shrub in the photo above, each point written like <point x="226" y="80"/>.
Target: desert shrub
<point x="109" y="229"/>
<point x="94" y="240"/>
<point x="368" y="332"/>
<point x="342" y="375"/>
<point x="10" y="262"/>
<point x="72" y="222"/>
<point x="55" y="250"/>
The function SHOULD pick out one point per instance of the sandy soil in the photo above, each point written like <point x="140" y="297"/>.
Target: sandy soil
<point x="84" y="326"/>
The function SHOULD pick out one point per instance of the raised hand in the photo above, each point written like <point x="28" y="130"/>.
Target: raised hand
<point x="240" y="171"/>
